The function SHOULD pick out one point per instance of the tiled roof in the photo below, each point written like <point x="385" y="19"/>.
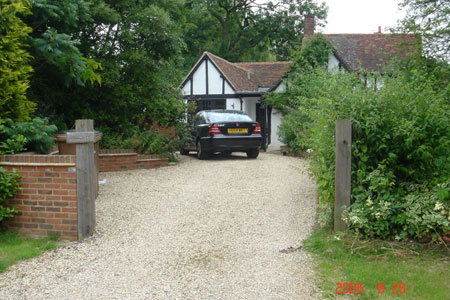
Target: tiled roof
<point x="356" y="51"/>
<point x="370" y="51"/>
<point x="269" y="74"/>
<point x="250" y="77"/>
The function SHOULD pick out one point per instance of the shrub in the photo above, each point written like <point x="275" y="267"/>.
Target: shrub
<point x="293" y="130"/>
<point x="9" y="186"/>
<point x="155" y="139"/>
<point x="37" y="132"/>
<point x="13" y="145"/>
<point x="400" y="149"/>
<point x="412" y="211"/>
<point x="148" y="138"/>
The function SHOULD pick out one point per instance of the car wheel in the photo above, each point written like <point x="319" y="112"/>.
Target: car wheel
<point x="253" y="153"/>
<point x="184" y="152"/>
<point x="201" y="154"/>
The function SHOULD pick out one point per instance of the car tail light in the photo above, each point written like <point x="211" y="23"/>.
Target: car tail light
<point x="257" y="129"/>
<point x="214" y="130"/>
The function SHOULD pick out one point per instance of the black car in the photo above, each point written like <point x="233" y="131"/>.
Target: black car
<point x="223" y="131"/>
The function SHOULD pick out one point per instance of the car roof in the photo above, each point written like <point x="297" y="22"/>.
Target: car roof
<point x="223" y="111"/>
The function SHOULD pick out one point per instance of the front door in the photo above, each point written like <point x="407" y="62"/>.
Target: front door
<point x="263" y="120"/>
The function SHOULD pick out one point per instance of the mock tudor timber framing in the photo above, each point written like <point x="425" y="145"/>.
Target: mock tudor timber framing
<point x="241" y="85"/>
<point x="190" y="78"/>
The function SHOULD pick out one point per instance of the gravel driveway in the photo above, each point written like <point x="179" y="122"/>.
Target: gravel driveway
<point x="226" y="228"/>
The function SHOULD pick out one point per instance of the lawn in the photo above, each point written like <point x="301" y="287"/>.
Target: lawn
<point x="15" y="247"/>
<point x="406" y="270"/>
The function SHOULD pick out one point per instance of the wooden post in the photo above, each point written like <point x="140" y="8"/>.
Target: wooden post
<point x="343" y="171"/>
<point x="84" y="137"/>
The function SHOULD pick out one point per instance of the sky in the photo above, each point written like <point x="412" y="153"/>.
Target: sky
<point x="361" y="16"/>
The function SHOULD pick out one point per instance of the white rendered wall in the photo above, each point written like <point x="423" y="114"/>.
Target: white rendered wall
<point x="187" y="88"/>
<point x="333" y="63"/>
<point x="371" y="80"/>
<point x="199" y="79"/>
<point x="276" y="118"/>
<point x="249" y="106"/>
<point x="280" y="88"/>
<point x="234" y="104"/>
<point x="214" y="80"/>
<point x="228" y="89"/>
<point x="275" y="122"/>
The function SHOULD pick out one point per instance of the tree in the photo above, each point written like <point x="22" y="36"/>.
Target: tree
<point x="295" y="102"/>
<point x="247" y="29"/>
<point x="14" y="68"/>
<point x="430" y="18"/>
<point x="138" y="44"/>
<point x="55" y="24"/>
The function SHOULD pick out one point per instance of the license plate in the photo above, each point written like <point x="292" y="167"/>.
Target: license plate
<point x="237" y="130"/>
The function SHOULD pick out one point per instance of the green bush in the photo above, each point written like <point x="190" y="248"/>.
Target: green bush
<point x="400" y="149"/>
<point x="148" y="138"/>
<point x="38" y="133"/>
<point x="13" y="145"/>
<point x="409" y="211"/>
<point x="9" y="186"/>
<point x="155" y="139"/>
<point x="293" y="130"/>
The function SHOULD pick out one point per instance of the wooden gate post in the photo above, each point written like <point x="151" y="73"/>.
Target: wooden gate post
<point x="343" y="171"/>
<point x="84" y="137"/>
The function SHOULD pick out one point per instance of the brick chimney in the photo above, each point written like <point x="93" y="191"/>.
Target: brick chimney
<point x="309" y="25"/>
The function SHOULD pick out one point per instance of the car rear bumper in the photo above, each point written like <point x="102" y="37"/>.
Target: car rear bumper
<point x="221" y="142"/>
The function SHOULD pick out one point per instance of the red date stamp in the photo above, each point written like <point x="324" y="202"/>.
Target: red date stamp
<point x="358" y="288"/>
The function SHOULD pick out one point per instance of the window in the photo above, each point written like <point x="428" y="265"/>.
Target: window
<point x="211" y="104"/>
<point x="228" y="117"/>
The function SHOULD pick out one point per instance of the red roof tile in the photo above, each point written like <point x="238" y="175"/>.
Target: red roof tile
<point x="370" y="51"/>
<point x="249" y="77"/>
<point x="268" y="74"/>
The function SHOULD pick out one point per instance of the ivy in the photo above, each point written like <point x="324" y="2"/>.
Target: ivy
<point x="9" y="186"/>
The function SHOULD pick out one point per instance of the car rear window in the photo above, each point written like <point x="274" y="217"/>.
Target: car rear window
<point x="215" y="117"/>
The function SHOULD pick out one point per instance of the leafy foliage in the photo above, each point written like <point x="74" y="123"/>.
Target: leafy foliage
<point x="9" y="186"/>
<point x="246" y="30"/>
<point x="430" y="20"/>
<point x="14" y="68"/>
<point x="35" y="135"/>
<point x="137" y="45"/>
<point x="113" y="61"/>
<point x="313" y="53"/>
<point x="13" y="145"/>
<point x="295" y="102"/>
<point x="148" y="138"/>
<point x="400" y="149"/>
<point x="54" y="23"/>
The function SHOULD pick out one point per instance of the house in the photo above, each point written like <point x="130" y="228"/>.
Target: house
<point x="363" y="53"/>
<point x="215" y="83"/>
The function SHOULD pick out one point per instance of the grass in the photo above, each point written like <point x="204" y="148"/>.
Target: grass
<point x="424" y="269"/>
<point x="15" y="247"/>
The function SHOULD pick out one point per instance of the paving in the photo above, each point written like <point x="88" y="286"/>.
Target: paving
<point x="225" y="228"/>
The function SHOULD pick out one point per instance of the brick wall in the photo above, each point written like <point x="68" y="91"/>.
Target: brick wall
<point x="48" y="202"/>
<point x="126" y="159"/>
